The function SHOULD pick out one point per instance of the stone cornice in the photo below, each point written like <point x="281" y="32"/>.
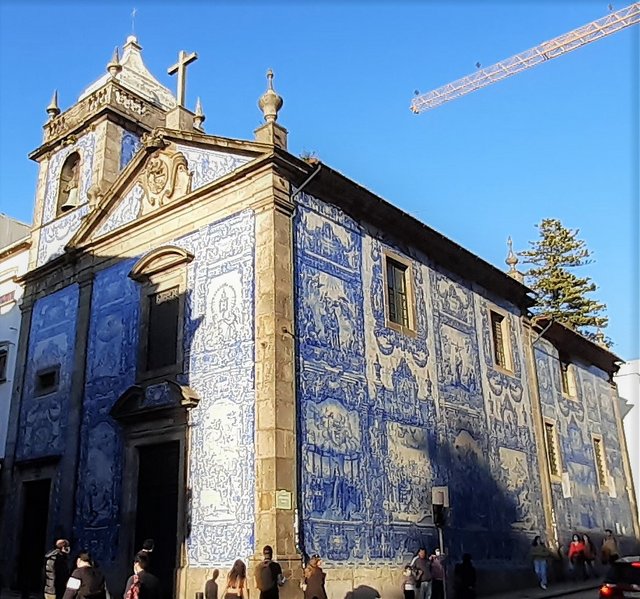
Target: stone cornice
<point x="575" y="345"/>
<point x="368" y="208"/>
<point x="15" y="248"/>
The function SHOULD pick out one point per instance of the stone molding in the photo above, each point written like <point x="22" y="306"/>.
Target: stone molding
<point x="110" y="98"/>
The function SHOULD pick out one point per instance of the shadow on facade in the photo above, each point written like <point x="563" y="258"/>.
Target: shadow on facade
<point x="100" y="456"/>
<point x="491" y="522"/>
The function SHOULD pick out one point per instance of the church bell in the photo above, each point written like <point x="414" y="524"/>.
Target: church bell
<point x="69" y="204"/>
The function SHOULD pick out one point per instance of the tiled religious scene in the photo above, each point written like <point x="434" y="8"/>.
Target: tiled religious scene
<point x="224" y="346"/>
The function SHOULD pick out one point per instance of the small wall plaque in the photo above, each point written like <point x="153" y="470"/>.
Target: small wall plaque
<point x="283" y="500"/>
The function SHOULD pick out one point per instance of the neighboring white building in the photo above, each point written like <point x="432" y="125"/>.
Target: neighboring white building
<point x="628" y="381"/>
<point x="14" y="260"/>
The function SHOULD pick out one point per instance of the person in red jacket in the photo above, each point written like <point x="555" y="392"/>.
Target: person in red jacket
<point x="576" y="557"/>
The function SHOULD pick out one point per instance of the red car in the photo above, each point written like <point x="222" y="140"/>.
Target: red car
<point x="622" y="580"/>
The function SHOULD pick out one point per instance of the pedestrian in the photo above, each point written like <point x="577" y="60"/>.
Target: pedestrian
<point x="576" y="557"/>
<point x="589" y="556"/>
<point x="408" y="582"/>
<point x="422" y="570"/>
<point x="148" y="546"/>
<point x="610" y="552"/>
<point x="269" y="575"/>
<point x="211" y="588"/>
<point x="465" y="578"/>
<point x="56" y="570"/>
<point x="313" y="579"/>
<point x="86" y="580"/>
<point x="540" y="554"/>
<point x="236" y="585"/>
<point x="437" y="574"/>
<point x="142" y="584"/>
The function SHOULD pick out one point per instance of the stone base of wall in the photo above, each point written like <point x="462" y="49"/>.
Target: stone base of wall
<point x="192" y="580"/>
<point x="369" y="582"/>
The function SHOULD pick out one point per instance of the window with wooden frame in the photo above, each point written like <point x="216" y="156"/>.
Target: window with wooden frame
<point x="567" y="378"/>
<point x="398" y="305"/>
<point x="551" y="444"/>
<point x="500" y="339"/>
<point x="162" y="274"/>
<point x="399" y="298"/>
<point x="600" y="462"/>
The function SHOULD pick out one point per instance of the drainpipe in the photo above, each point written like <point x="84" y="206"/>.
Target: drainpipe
<point x="306" y="181"/>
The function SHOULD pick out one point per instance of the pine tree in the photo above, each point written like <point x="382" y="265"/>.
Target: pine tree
<point x="562" y="295"/>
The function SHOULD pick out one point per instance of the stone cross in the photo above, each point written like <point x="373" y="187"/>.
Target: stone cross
<point x="180" y="67"/>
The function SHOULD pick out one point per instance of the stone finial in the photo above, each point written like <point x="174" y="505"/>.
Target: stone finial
<point x="600" y="339"/>
<point x="199" y="117"/>
<point x="512" y="259"/>
<point x="512" y="262"/>
<point x="114" y="67"/>
<point x="132" y="42"/>
<point x="270" y="102"/>
<point x="53" y="110"/>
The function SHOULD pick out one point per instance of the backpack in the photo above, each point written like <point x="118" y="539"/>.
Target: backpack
<point x="134" y="589"/>
<point x="264" y="576"/>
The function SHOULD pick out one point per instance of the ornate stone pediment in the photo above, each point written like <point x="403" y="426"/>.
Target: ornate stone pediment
<point x="150" y="402"/>
<point x="165" y="178"/>
<point x="167" y="169"/>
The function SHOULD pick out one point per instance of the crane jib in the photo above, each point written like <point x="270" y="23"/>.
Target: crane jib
<point x="558" y="46"/>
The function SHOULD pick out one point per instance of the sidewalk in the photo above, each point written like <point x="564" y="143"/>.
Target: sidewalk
<point x="557" y="590"/>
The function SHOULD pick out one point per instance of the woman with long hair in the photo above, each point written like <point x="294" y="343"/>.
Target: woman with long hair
<point x="313" y="581"/>
<point x="539" y="555"/>
<point x="236" y="582"/>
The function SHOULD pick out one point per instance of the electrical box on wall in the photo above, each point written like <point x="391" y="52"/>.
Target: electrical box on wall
<point x="440" y="496"/>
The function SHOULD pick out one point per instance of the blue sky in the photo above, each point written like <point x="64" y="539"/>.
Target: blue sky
<point x="560" y="140"/>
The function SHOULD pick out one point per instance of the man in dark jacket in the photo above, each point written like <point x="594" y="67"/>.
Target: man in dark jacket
<point x="269" y="575"/>
<point x="422" y="568"/>
<point x="86" y="581"/>
<point x="148" y="585"/>
<point x="56" y="570"/>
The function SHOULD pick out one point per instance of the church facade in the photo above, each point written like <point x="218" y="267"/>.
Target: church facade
<point x="224" y="346"/>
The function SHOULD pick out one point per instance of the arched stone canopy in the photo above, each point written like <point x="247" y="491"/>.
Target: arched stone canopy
<point x="158" y="260"/>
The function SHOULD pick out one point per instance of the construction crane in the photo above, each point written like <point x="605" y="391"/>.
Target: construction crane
<point x="558" y="46"/>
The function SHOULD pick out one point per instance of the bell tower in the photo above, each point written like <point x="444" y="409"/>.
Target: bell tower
<point x="86" y="147"/>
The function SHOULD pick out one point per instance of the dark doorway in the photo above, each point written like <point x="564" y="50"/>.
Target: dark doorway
<point x="157" y="508"/>
<point x="33" y="535"/>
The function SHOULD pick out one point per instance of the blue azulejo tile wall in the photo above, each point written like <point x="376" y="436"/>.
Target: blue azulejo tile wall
<point x="218" y="364"/>
<point x="386" y="415"/>
<point x="580" y="500"/>
<point x="110" y="369"/>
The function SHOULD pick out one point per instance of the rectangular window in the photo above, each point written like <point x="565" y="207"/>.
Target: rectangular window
<point x="500" y="340"/>
<point x="552" y="448"/>
<point x="47" y="380"/>
<point x="601" y="463"/>
<point x="162" y="329"/>
<point x="4" y="358"/>
<point x="398" y="304"/>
